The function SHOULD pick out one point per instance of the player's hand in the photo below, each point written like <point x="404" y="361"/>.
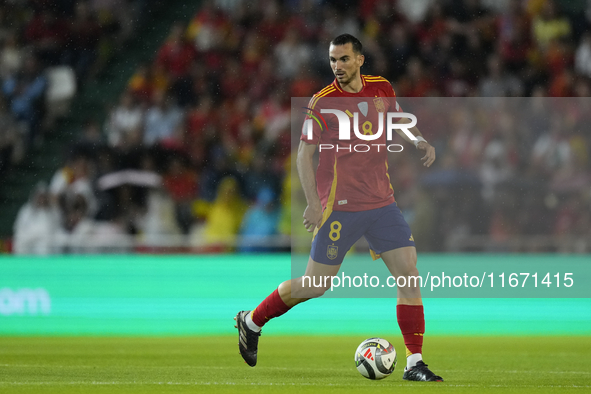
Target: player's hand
<point x="429" y="157"/>
<point x="312" y="217"/>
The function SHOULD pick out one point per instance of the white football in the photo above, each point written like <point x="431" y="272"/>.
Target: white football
<point x="375" y="358"/>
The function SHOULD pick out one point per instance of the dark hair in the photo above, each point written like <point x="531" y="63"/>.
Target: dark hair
<point x="346" y="39"/>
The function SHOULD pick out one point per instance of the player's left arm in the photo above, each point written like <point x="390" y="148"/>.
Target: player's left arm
<point x="421" y="144"/>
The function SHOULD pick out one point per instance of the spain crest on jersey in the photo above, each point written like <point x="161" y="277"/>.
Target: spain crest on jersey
<point x="332" y="252"/>
<point x="379" y="103"/>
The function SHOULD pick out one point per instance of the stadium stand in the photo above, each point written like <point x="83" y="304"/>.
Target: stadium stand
<point x="247" y="59"/>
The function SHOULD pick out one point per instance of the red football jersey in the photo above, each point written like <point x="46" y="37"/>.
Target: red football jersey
<point x="353" y="174"/>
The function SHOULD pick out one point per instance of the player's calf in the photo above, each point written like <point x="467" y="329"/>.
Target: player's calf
<point x="307" y="287"/>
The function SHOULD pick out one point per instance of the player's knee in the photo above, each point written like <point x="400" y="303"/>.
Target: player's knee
<point x="408" y="269"/>
<point x="316" y="286"/>
<point x="317" y="292"/>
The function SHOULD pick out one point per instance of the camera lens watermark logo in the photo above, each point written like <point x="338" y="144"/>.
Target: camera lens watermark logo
<point x="317" y="117"/>
<point x="367" y="128"/>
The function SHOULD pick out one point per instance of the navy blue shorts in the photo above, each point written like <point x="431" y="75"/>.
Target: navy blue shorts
<point x="384" y="228"/>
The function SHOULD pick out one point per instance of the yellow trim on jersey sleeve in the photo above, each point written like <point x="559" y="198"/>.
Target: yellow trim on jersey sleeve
<point x="323" y="90"/>
<point x="317" y="97"/>
<point x="375" y="78"/>
<point x="378" y="80"/>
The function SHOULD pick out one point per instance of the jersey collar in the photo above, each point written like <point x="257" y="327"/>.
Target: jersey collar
<point x="338" y="86"/>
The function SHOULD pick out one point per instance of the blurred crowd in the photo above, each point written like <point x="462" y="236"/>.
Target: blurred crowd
<point x="39" y="38"/>
<point x="199" y="143"/>
<point x="508" y="168"/>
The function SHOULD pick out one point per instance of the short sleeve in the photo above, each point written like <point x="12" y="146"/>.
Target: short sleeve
<point x="394" y="100"/>
<point x="391" y="92"/>
<point x="312" y="127"/>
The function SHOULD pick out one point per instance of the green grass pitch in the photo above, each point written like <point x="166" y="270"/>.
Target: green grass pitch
<point x="300" y="364"/>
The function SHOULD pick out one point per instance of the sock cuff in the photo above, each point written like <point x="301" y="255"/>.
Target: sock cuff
<point x="272" y="306"/>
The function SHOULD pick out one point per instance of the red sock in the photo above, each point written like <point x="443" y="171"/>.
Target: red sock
<point x="272" y="306"/>
<point x="412" y="324"/>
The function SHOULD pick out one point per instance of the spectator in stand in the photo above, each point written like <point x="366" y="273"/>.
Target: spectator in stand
<point x="25" y="91"/>
<point x="36" y="224"/>
<point x="570" y="216"/>
<point x="219" y="165"/>
<point x="267" y="80"/>
<point x="457" y="82"/>
<point x="337" y="20"/>
<point x="232" y="81"/>
<point x="147" y="81"/>
<point x="474" y="59"/>
<point x="224" y="215"/>
<point x="291" y="54"/>
<point x="466" y="142"/>
<point x="11" y="57"/>
<point x="272" y="26"/>
<point x="253" y="52"/>
<point x="83" y="43"/>
<point x="163" y="120"/>
<point x="201" y="122"/>
<point x="48" y="34"/>
<point x="497" y="166"/>
<point x="549" y="25"/>
<point x="74" y="179"/>
<point x="305" y="84"/>
<point x="81" y="234"/>
<point x="416" y="82"/>
<point x="202" y="82"/>
<point x="583" y="56"/>
<point x="237" y="117"/>
<point x="181" y="183"/>
<point x="177" y="54"/>
<point x="563" y="84"/>
<point x="91" y="138"/>
<point x="11" y="139"/>
<point x="116" y="19"/>
<point x="498" y="82"/>
<point x="273" y="115"/>
<point x="124" y="127"/>
<point x="7" y="12"/>
<point x="208" y="29"/>
<point x="159" y="218"/>
<point x="260" y="175"/>
<point x="399" y="49"/>
<point x="552" y="150"/>
<point x="260" y="222"/>
<point x="513" y="30"/>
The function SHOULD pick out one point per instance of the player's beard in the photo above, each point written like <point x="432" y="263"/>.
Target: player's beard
<point x="348" y="80"/>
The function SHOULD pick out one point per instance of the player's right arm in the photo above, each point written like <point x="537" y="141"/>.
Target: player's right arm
<point x="305" y="164"/>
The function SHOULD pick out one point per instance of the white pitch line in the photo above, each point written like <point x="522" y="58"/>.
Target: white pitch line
<point x="83" y="383"/>
<point x="273" y="368"/>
